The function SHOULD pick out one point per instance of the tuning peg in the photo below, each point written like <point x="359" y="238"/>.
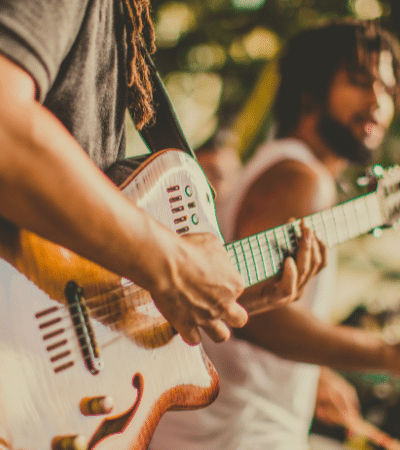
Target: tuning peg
<point x="69" y="443"/>
<point x="377" y="232"/>
<point x="371" y="175"/>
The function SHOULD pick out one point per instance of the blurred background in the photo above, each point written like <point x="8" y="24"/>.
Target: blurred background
<point x="218" y="60"/>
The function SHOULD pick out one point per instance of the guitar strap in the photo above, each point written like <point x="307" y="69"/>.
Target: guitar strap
<point x="163" y="132"/>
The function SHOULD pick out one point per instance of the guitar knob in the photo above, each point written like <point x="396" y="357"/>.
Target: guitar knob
<point x="69" y="443"/>
<point x="95" y="406"/>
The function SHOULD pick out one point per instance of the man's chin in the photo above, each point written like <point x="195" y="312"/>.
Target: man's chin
<point x="343" y="142"/>
<point x="374" y="137"/>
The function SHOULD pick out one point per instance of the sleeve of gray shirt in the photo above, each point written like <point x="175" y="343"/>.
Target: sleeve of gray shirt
<point x="38" y="34"/>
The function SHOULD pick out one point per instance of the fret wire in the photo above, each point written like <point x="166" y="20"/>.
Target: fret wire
<point x="254" y="256"/>
<point x="334" y="226"/>
<point x="321" y="234"/>
<point x="367" y="218"/>
<point x="361" y="216"/>
<point x="286" y="232"/>
<point x="232" y="255"/>
<point x="259" y="259"/>
<point x="249" y="264"/>
<point x="278" y="246"/>
<point x="270" y="253"/>
<point x="352" y="210"/>
<point x="265" y="248"/>
<point x="261" y="253"/>
<point x="340" y="219"/>
<point x="238" y="251"/>
<point x="294" y="237"/>
<point x="237" y="258"/>
<point x="330" y="242"/>
<point x="286" y="237"/>
<point x="297" y="228"/>
<point x="276" y="251"/>
<point x="346" y="221"/>
<point x="325" y="230"/>
<point x="244" y="273"/>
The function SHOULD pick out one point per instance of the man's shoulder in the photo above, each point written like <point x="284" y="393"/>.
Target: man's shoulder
<point x="284" y="161"/>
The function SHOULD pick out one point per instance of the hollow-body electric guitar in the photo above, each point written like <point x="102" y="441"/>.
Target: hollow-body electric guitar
<point x="75" y="373"/>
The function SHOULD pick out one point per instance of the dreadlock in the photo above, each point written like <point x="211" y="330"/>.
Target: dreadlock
<point x="140" y="33"/>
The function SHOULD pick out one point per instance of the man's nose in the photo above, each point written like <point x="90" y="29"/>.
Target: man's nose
<point x="377" y="89"/>
<point x="382" y="106"/>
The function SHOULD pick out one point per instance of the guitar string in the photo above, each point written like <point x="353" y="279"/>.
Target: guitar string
<point x="250" y="263"/>
<point x="104" y="331"/>
<point x="294" y="228"/>
<point x="134" y="290"/>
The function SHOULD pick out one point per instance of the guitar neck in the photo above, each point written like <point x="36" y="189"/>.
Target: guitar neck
<point x="261" y="256"/>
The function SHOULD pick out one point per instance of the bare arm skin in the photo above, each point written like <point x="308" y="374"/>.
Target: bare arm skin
<point x="337" y="404"/>
<point x="336" y="401"/>
<point x="297" y="335"/>
<point x="291" y="331"/>
<point x="270" y="202"/>
<point x="50" y="186"/>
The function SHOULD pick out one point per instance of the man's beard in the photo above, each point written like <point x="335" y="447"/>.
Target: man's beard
<point x="342" y="141"/>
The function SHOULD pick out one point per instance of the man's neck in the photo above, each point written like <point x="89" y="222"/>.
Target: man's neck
<point x="307" y="133"/>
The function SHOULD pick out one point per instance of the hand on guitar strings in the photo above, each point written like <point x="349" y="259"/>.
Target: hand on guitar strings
<point x="289" y="284"/>
<point x="204" y="287"/>
<point x="202" y="290"/>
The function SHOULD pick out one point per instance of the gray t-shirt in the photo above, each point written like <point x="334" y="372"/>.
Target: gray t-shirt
<point x="75" y="51"/>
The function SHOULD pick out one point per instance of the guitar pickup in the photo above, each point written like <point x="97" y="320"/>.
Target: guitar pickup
<point x="83" y="328"/>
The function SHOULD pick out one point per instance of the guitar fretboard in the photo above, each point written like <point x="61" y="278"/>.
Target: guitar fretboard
<point x="261" y="256"/>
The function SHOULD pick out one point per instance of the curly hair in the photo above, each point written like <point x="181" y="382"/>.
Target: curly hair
<point x="140" y="33"/>
<point x="313" y="57"/>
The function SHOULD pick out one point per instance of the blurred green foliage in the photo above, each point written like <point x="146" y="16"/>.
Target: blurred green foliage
<point x="235" y="39"/>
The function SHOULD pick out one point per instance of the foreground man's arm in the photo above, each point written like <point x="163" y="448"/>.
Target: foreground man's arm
<point x="51" y="187"/>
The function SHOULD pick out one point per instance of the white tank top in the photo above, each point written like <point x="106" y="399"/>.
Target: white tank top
<point x="265" y="402"/>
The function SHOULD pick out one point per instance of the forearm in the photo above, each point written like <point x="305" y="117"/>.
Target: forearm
<point x="50" y="186"/>
<point x="294" y="334"/>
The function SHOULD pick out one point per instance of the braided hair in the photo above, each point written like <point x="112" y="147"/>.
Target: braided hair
<point x="140" y="33"/>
